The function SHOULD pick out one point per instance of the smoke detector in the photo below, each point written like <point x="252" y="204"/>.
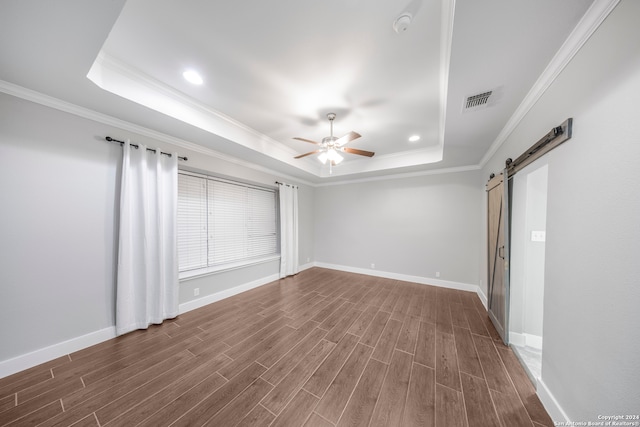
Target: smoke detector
<point x="402" y="23"/>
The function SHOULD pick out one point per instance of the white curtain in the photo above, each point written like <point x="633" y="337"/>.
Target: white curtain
<point x="147" y="281"/>
<point x="288" y="230"/>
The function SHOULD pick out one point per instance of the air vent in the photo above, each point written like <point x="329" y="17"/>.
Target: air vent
<point x="478" y="100"/>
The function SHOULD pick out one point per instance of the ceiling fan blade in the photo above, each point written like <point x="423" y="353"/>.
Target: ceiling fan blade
<point x="307" y="154"/>
<point x="307" y="140"/>
<point x="347" y="138"/>
<point x="359" y="152"/>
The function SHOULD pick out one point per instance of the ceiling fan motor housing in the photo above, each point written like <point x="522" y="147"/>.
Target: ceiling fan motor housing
<point x="329" y="140"/>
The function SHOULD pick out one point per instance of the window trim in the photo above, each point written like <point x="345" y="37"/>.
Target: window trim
<point x="228" y="180"/>
<point x="187" y="275"/>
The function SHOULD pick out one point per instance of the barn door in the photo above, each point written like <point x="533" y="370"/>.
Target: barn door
<point x="498" y="250"/>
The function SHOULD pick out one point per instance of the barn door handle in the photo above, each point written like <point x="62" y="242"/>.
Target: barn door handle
<point x="501" y="252"/>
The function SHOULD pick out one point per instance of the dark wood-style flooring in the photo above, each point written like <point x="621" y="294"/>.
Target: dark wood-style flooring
<point x="323" y="348"/>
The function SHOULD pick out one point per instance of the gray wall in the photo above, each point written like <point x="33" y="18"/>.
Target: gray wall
<point x="415" y="226"/>
<point x="59" y="191"/>
<point x="57" y="223"/>
<point x="592" y="294"/>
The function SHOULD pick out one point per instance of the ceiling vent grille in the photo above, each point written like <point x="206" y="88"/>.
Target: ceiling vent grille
<point x="478" y="100"/>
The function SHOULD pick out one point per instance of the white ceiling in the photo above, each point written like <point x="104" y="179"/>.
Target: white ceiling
<point x="273" y="70"/>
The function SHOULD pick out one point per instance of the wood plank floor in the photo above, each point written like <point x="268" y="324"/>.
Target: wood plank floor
<point x="323" y="348"/>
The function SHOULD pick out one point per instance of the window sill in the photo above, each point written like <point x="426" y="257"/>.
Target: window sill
<point x="194" y="274"/>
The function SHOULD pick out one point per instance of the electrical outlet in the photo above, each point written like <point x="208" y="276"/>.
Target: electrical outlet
<point x="373" y="265"/>
<point x="308" y="259"/>
<point x="437" y="274"/>
<point x="196" y="292"/>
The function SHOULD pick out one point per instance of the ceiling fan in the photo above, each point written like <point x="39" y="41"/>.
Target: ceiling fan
<point x="331" y="146"/>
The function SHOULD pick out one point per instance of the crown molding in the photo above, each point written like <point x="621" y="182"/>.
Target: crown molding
<point x="589" y="23"/>
<point x="405" y="175"/>
<point x="67" y="107"/>
<point x="117" y="77"/>
<point x="402" y="159"/>
<point x="446" y="43"/>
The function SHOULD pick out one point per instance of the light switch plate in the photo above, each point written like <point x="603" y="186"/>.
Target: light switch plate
<point x="538" y="236"/>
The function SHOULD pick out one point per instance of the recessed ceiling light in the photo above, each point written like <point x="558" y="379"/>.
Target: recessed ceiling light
<point x="414" y="138"/>
<point x="193" y="77"/>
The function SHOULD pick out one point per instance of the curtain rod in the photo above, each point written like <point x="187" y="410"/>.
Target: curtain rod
<point x="108" y="138"/>
<point x="288" y="185"/>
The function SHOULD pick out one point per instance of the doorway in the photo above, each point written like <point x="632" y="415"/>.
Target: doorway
<point x="523" y="226"/>
<point x="528" y="236"/>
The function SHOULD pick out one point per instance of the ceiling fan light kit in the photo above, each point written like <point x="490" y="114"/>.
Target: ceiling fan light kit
<point x="331" y="155"/>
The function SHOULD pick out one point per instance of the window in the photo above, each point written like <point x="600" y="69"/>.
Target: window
<point x="224" y="224"/>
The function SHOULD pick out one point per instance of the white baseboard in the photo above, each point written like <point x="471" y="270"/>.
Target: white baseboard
<point x="533" y="341"/>
<point x="517" y="339"/>
<point x="29" y="360"/>
<point x="306" y="266"/>
<point x="552" y="406"/>
<point x="483" y="297"/>
<point x="209" y="299"/>
<point x="404" y="277"/>
<point x="525" y="340"/>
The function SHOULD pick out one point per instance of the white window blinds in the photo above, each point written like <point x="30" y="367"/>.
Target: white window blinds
<point x="222" y="222"/>
<point x="192" y="222"/>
